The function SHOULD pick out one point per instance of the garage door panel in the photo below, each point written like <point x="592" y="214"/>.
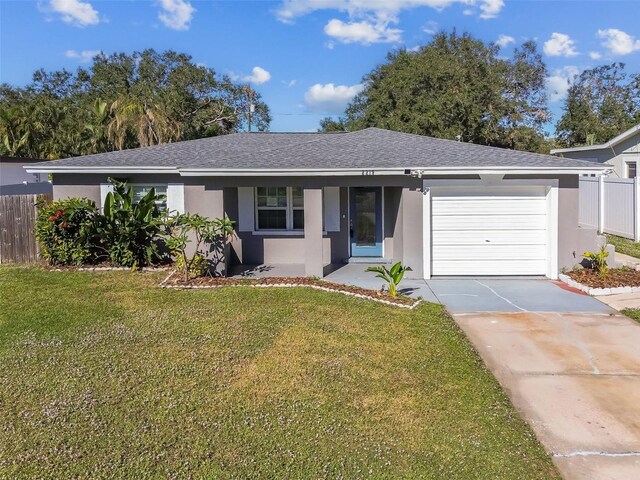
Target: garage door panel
<point x="490" y="252"/>
<point x="498" y="206"/>
<point x="491" y="267"/>
<point x="495" y="237"/>
<point x="489" y="232"/>
<point x="488" y="222"/>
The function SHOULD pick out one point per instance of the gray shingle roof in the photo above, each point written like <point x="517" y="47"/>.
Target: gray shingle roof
<point x="372" y="148"/>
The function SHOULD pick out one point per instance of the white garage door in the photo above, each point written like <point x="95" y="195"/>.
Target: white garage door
<point x="489" y="231"/>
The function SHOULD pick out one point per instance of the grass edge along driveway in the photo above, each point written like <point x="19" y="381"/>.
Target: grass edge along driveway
<point x="105" y="375"/>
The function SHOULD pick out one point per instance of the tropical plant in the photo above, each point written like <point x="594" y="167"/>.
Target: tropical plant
<point x="66" y="231"/>
<point x="131" y="226"/>
<point x="181" y="230"/>
<point x="393" y="276"/>
<point x="598" y="260"/>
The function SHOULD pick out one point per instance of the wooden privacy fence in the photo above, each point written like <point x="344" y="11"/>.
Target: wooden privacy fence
<point x="611" y="205"/>
<point x="17" y="222"/>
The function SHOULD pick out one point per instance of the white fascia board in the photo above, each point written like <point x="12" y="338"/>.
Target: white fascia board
<point x="611" y="143"/>
<point x="114" y="170"/>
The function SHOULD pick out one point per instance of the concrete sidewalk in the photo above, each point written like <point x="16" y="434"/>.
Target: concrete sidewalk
<point x="575" y="377"/>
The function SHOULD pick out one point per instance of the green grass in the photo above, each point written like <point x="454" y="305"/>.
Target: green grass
<point x="624" y="245"/>
<point x="105" y="375"/>
<point x="633" y="313"/>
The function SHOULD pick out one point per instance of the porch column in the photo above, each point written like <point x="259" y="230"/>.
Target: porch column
<point x="313" y="265"/>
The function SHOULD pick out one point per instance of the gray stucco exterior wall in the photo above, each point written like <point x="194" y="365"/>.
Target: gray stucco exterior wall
<point x="402" y="210"/>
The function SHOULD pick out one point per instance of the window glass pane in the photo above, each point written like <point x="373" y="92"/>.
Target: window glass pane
<point x="631" y="170"/>
<point x="298" y="196"/>
<point x="139" y="191"/>
<point x="298" y="219"/>
<point x="272" y="219"/>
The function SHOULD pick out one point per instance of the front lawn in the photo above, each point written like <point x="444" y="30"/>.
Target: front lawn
<point x="105" y="375"/>
<point x="624" y="245"/>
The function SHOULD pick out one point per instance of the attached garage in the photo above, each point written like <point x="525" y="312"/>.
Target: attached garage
<point x="492" y="230"/>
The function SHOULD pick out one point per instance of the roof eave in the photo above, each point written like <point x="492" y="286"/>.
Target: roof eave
<point x="603" y="146"/>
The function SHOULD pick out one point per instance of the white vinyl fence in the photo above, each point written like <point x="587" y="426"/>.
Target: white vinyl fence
<point x="611" y="205"/>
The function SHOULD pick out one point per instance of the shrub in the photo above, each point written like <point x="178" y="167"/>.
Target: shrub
<point x="65" y="230"/>
<point x="182" y="229"/>
<point x="198" y="268"/>
<point x="598" y="260"/>
<point x="393" y="276"/>
<point x="132" y="229"/>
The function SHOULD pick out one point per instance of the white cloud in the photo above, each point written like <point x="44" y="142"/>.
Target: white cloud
<point x="431" y="27"/>
<point x="619" y="42"/>
<point x="505" y="40"/>
<point x="560" y="45"/>
<point x="75" y="12"/>
<point x="85" y="56"/>
<point x="258" y="76"/>
<point x="290" y="83"/>
<point x="176" y="14"/>
<point x="558" y="84"/>
<point x="385" y="10"/>
<point x="362" y="32"/>
<point x="491" y="8"/>
<point x="595" y="55"/>
<point x="330" y="98"/>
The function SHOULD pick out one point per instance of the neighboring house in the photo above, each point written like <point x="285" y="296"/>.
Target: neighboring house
<point x="439" y="206"/>
<point x="15" y="180"/>
<point x="621" y="153"/>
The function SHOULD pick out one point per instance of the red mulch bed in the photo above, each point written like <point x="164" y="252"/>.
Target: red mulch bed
<point x="176" y="280"/>
<point x="615" y="277"/>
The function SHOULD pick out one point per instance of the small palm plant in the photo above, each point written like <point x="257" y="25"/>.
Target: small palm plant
<point x="393" y="276"/>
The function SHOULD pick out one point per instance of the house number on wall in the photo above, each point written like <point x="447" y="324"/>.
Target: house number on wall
<point x="367" y="172"/>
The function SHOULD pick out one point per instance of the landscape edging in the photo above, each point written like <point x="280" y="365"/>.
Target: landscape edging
<point x="164" y="284"/>
<point x="596" y="291"/>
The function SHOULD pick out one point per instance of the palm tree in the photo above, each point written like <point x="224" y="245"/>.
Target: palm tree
<point x="148" y="124"/>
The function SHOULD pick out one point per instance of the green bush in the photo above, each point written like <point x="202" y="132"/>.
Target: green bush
<point x="132" y="228"/>
<point x="66" y="231"/>
<point x="198" y="267"/>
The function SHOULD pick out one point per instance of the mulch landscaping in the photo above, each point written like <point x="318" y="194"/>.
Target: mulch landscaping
<point x="176" y="280"/>
<point x="615" y="277"/>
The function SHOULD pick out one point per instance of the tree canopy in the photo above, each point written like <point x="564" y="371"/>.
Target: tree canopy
<point x="457" y="87"/>
<point x="123" y="101"/>
<point x="601" y="103"/>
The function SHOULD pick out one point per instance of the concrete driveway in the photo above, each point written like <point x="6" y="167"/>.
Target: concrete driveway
<point x="569" y="363"/>
<point x="573" y="374"/>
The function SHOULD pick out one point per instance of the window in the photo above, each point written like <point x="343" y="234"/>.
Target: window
<point x="280" y="208"/>
<point x="139" y="191"/>
<point x="631" y="170"/>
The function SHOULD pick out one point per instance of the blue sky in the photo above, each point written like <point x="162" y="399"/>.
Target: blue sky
<point x="307" y="57"/>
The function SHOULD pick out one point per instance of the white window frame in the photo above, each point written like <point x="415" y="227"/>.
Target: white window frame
<point x="289" y="209"/>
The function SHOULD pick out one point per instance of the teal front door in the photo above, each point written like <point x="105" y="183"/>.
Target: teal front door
<point x="366" y="221"/>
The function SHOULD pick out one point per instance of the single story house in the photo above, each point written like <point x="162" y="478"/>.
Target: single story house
<point x="621" y="154"/>
<point x="15" y="180"/>
<point x="319" y="199"/>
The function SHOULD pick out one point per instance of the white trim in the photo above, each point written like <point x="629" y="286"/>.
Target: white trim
<point x="611" y="143"/>
<point x="175" y="197"/>
<point x="552" y="215"/>
<point x="289" y="209"/>
<point x="426" y="232"/>
<point x="331" y="204"/>
<point x="105" y="188"/>
<point x="315" y="172"/>
<point x="552" y="232"/>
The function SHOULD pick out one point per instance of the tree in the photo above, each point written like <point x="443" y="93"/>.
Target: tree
<point x="328" y="124"/>
<point x="123" y="101"/>
<point x="602" y="103"/>
<point x="456" y="87"/>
